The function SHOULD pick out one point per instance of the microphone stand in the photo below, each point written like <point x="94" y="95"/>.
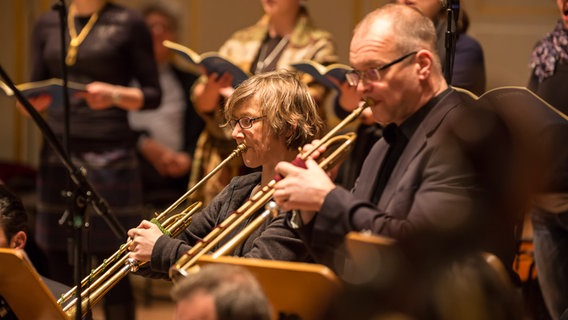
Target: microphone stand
<point x="83" y="193"/>
<point x="76" y="204"/>
<point x="453" y="11"/>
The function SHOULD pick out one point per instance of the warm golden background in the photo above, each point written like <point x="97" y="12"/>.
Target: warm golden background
<point x="507" y="30"/>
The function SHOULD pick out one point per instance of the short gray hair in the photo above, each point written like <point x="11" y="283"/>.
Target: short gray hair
<point x="236" y="292"/>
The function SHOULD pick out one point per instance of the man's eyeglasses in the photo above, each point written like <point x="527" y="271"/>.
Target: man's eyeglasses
<point x="354" y="76"/>
<point x="244" y="122"/>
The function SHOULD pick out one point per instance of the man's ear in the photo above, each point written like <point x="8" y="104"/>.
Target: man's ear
<point x="18" y="240"/>
<point x="425" y="61"/>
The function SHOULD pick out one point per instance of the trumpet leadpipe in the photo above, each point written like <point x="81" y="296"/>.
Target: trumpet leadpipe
<point x="333" y="132"/>
<point x="271" y="210"/>
<point x="240" y="149"/>
<point x="221" y="231"/>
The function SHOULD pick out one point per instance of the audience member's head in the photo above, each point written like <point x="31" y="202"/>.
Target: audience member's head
<point x="220" y="292"/>
<point x="13" y="220"/>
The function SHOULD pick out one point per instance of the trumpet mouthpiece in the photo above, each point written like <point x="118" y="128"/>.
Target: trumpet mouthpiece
<point x="241" y="147"/>
<point x="367" y="101"/>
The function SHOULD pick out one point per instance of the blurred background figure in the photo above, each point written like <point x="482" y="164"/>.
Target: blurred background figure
<point x="549" y="63"/>
<point x="284" y="35"/>
<point x="111" y="47"/>
<point x="469" y="63"/>
<point x="168" y="135"/>
<point x="216" y="292"/>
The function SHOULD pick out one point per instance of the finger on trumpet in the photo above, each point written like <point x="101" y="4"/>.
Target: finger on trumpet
<point x="310" y="149"/>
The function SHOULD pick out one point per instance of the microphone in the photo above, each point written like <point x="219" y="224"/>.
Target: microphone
<point x="453" y="5"/>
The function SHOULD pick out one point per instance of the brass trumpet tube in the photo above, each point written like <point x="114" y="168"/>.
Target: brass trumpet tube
<point x="114" y="258"/>
<point x="240" y="148"/>
<point x="86" y="294"/>
<point x="99" y="292"/>
<point x="230" y="246"/>
<point x="121" y="267"/>
<point x="109" y="266"/>
<point x="331" y="133"/>
<point x="337" y="153"/>
<point x="221" y="231"/>
<point x="110" y="262"/>
<point x="272" y="209"/>
<point x="95" y="273"/>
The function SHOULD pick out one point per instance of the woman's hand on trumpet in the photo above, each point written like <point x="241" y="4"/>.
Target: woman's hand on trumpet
<point x="144" y="238"/>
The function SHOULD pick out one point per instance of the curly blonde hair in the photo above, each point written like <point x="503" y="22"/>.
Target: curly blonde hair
<point x="285" y="101"/>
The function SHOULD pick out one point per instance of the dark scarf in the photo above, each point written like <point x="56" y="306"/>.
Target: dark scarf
<point x="553" y="48"/>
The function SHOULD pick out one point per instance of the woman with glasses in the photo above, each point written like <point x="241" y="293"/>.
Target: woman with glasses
<point x="283" y="35"/>
<point x="273" y="114"/>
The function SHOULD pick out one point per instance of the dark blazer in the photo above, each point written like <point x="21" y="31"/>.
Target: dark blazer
<point x="551" y="88"/>
<point x="430" y="185"/>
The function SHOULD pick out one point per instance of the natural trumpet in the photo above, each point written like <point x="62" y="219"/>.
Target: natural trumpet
<point x="107" y="275"/>
<point x="259" y="199"/>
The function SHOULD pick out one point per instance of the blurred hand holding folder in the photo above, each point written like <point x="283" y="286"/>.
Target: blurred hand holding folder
<point x="320" y="73"/>
<point x="212" y="62"/>
<point x="52" y="87"/>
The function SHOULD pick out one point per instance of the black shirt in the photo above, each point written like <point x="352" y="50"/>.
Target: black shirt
<point x="397" y="137"/>
<point x="117" y="50"/>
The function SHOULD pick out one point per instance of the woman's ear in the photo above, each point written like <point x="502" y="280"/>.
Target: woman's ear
<point x="18" y="240"/>
<point x="290" y="131"/>
<point x="425" y="61"/>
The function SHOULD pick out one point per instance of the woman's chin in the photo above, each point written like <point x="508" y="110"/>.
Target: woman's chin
<point x="251" y="164"/>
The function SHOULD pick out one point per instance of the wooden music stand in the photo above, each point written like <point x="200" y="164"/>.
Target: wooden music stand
<point x="367" y="255"/>
<point x="293" y="288"/>
<point x="361" y="244"/>
<point x="364" y="238"/>
<point x="23" y="289"/>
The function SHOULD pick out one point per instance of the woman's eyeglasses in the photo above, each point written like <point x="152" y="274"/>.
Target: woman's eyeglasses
<point x="244" y="122"/>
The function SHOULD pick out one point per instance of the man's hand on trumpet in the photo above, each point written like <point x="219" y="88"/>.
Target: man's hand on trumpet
<point x="303" y="189"/>
<point x="144" y="238"/>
